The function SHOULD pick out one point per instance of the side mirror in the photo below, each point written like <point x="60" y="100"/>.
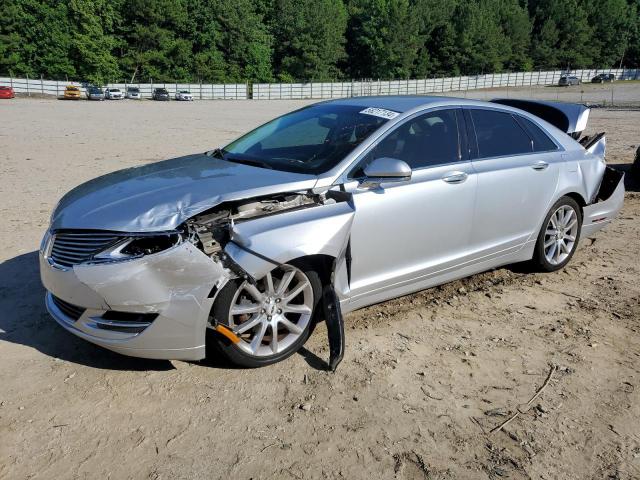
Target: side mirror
<point x="386" y="170"/>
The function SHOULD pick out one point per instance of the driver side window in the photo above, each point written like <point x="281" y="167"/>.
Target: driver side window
<point x="424" y="141"/>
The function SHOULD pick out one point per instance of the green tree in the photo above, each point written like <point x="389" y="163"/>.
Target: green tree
<point x="35" y="39"/>
<point x="632" y="55"/>
<point x="562" y="35"/>
<point x="516" y="27"/>
<point x="92" y="43"/>
<point x="245" y="41"/>
<point x="308" y="38"/>
<point x="383" y="39"/>
<point x="482" y="45"/>
<point x="155" y="40"/>
<point x="612" y="22"/>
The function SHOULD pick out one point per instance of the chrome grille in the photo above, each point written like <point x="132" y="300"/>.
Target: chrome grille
<point x="72" y="311"/>
<point x="72" y="248"/>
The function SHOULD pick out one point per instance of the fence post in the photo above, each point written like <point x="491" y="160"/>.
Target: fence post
<point x="41" y="85"/>
<point x="28" y="92"/>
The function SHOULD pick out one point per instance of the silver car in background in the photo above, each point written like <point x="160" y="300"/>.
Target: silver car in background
<point x="184" y="95"/>
<point x="113" y="94"/>
<point x="133" y="93"/>
<point x="369" y="198"/>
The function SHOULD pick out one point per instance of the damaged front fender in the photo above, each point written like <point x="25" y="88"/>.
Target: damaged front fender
<point x="321" y="230"/>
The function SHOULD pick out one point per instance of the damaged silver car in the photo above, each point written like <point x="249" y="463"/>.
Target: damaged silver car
<point x="319" y="212"/>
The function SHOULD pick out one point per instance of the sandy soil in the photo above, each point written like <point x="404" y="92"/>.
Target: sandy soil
<point x="424" y="380"/>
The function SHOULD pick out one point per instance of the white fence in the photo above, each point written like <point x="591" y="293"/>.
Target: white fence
<point x="320" y="90"/>
<point x="288" y="91"/>
<point x="233" y="91"/>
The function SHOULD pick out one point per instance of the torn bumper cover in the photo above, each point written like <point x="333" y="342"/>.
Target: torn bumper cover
<point x="156" y="306"/>
<point x="609" y="201"/>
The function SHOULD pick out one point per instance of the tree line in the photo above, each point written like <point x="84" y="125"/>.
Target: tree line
<point x="286" y="40"/>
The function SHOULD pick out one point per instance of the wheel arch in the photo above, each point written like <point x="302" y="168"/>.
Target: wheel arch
<point x="323" y="265"/>
<point x="577" y="197"/>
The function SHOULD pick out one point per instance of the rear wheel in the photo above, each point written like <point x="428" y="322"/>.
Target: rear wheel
<point x="559" y="236"/>
<point x="271" y="319"/>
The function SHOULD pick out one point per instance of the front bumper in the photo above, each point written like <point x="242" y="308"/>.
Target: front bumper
<point x="175" y="284"/>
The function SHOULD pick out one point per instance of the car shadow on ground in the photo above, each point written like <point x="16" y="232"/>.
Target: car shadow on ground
<point x="24" y="320"/>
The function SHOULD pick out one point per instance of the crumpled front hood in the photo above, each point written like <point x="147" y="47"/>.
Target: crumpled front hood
<point x="162" y="195"/>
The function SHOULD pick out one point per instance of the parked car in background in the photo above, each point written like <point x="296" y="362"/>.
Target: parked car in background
<point x="133" y="93"/>
<point x="95" y="93"/>
<point x="160" y="94"/>
<point x="566" y="80"/>
<point x="113" y="94"/>
<point x="603" y="77"/>
<point x="7" y="92"/>
<point x="364" y="199"/>
<point x="184" y="95"/>
<point x="71" y="93"/>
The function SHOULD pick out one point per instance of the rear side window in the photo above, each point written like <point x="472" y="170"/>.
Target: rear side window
<point x="499" y="134"/>
<point x="541" y="141"/>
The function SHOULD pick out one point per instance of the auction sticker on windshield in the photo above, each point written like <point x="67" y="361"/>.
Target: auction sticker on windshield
<point x="380" y="112"/>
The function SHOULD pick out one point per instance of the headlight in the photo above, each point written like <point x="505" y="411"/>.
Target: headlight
<point x="138" y="246"/>
<point x="45" y="245"/>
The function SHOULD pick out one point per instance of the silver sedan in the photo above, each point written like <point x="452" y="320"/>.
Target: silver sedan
<point x="365" y="198"/>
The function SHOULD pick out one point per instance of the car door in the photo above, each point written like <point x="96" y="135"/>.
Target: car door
<point x="517" y="167"/>
<point x="403" y="233"/>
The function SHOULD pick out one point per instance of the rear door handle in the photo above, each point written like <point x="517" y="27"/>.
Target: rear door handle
<point x="455" y="177"/>
<point x="540" y="165"/>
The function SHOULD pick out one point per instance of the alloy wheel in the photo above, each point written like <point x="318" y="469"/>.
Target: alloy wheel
<point x="560" y="235"/>
<point x="271" y="315"/>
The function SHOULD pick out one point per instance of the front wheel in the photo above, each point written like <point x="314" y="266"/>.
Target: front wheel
<point x="271" y="319"/>
<point x="559" y="236"/>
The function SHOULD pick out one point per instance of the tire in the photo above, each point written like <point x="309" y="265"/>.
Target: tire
<point x="547" y="258"/>
<point x="264" y="312"/>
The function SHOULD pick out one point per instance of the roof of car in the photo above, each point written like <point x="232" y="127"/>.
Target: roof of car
<point x="404" y="103"/>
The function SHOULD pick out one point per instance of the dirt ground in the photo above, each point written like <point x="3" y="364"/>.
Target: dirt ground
<point x="424" y="380"/>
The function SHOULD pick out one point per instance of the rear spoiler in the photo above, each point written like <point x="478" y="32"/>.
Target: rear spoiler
<point x="569" y="117"/>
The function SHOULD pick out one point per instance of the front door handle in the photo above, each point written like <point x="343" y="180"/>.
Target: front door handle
<point x="540" y="165"/>
<point x="455" y="177"/>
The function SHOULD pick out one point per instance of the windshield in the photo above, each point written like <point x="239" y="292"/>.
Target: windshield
<point x="134" y="90"/>
<point x="311" y="140"/>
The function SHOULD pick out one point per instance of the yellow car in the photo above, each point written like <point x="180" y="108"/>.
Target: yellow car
<point x="71" y="93"/>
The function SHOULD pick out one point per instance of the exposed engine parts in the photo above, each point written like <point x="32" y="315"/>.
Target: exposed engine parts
<point x="212" y="229"/>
